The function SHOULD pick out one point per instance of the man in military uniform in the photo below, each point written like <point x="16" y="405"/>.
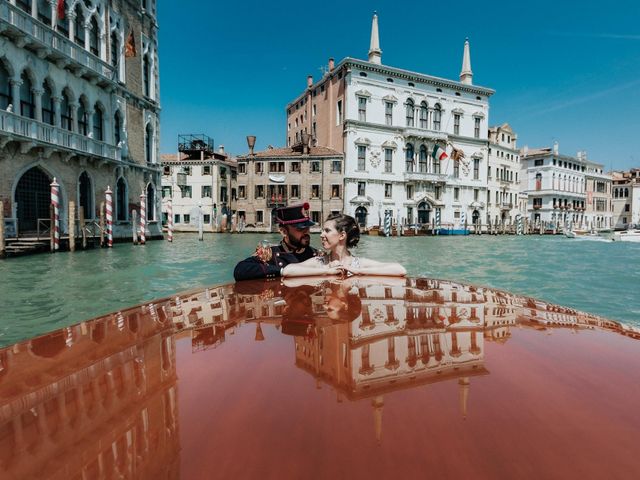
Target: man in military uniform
<point x="268" y="261"/>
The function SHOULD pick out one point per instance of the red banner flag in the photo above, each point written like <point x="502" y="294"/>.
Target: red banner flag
<point x="130" y="47"/>
<point x="60" y="9"/>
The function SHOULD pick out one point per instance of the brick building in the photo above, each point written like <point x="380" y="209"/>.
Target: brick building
<point x="275" y="177"/>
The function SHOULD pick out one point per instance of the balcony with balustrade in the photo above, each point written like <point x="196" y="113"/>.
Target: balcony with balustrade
<point x="425" y="177"/>
<point x="29" y="32"/>
<point x="31" y="133"/>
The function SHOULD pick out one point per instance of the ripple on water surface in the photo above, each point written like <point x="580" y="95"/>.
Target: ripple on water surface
<point x="43" y="292"/>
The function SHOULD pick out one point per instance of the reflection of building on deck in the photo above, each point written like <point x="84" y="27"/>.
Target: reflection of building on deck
<point x="501" y="311"/>
<point x="405" y="337"/>
<point x="99" y="401"/>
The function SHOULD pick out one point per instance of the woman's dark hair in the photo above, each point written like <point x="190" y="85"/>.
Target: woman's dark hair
<point x="347" y="224"/>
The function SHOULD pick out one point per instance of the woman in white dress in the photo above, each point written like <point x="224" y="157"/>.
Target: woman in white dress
<point x="340" y="233"/>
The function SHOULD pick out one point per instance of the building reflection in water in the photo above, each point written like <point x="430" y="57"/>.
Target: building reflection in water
<point x="99" y="399"/>
<point x="95" y="400"/>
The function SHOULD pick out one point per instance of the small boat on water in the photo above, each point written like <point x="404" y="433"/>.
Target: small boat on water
<point x="631" y="235"/>
<point x="582" y="234"/>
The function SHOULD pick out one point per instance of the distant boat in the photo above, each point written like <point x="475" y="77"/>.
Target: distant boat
<point x="631" y="235"/>
<point x="453" y="231"/>
<point x="581" y="233"/>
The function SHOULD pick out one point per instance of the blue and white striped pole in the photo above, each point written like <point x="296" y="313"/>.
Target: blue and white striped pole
<point x="463" y="219"/>
<point x="519" y="224"/>
<point x="437" y="219"/>
<point x="387" y="223"/>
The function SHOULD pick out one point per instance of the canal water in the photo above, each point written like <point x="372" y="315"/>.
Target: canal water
<point x="43" y="292"/>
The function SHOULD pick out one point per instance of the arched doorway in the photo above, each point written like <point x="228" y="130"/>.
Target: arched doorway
<point x="32" y="198"/>
<point x="85" y="194"/>
<point x="475" y="217"/>
<point x="361" y="216"/>
<point x="424" y="212"/>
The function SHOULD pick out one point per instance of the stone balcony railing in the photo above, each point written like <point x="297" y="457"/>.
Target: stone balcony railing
<point x="16" y="23"/>
<point x="424" y="133"/>
<point x="425" y="176"/>
<point x="27" y="130"/>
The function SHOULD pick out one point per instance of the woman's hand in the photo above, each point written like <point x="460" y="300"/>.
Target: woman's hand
<point x="338" y="270"/>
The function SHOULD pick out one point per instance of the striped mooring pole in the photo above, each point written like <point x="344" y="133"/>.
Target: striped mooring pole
<point x="55" y="202"/>
<point x="387" y="223"/>
<point x="463" y="219"/>
<point x="438" y="219"/>
<point x="519" y="229"/>
<point x="108" y="194"/>
<point x="143" y="218"/>
<point x="169" y="220"/>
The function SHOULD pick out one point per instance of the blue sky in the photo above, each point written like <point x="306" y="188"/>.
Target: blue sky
<point x="563" y="71"/>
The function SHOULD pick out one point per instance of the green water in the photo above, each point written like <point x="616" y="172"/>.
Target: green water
<point x="43" y="292"/>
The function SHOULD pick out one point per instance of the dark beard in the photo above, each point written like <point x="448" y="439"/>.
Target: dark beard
<point x="304" y="241"/>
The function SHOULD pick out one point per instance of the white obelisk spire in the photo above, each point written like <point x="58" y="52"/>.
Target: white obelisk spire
<point x="375" y="54"/>
<point x="466" y="74"/>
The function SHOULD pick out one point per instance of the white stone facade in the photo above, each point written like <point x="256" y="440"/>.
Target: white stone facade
<point x="503" y="177"/>
<point x="626" y="199"/>
<point x="557" y="189"/>
<point x="412" y="186"/>
<point x="75" y="106"/>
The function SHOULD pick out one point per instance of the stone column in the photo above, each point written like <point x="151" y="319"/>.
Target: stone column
<point x="57" y="114"/>
<point x="15" y="95"/>
<point x="71" y="17"/>
<point x="37" y="96"/>
<point x="54" y="13"/>
<point x="34" y="8"/>
<point x="74" y="117"/>
<point x="90" y="123"/>
<point x="87" y="29"/>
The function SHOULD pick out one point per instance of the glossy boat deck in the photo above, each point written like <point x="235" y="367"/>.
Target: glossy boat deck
<point x="360" y="378"/>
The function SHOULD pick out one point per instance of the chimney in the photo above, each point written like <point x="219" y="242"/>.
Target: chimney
<point x="306" y="138"/>
<point x="556" y="148"/>
<point x="525" y="150"/>
<point x="251" y="142"/>
<point x="331" y="64"/>
<point x="309" y="81"/>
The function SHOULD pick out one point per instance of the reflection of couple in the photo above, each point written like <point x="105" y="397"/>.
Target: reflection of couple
<point x="294" y="257"/>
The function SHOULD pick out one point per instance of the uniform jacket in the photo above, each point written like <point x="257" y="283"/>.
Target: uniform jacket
<point x="254" y="267"/>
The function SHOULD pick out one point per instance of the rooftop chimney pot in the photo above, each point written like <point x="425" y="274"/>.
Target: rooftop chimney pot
<point x="251" y="142"/>
<point x="309" y="80"/>
<point x="331" y="64"/>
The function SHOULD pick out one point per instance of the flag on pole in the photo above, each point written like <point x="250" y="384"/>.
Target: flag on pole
<point x="439" y="153"/>
<point x="130" y="47"/>
<point x="60" y="10"/>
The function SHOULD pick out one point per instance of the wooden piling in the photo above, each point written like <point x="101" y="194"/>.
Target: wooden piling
<point x="72" y="226"/>
<point x="134" y="225"/>
<point x="83" y="232"/>
<point x="102" y="224"/>
<point x="1" y="229"/>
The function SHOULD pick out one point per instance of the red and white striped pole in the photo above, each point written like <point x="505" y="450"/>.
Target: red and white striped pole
<point x="109" y="198"/>
<point x="55" y="201"/>
<point x="143" y="218"/>
<point x="170" y="220"/>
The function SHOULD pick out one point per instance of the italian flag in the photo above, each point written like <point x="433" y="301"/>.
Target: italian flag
<point x="439" y="153"/>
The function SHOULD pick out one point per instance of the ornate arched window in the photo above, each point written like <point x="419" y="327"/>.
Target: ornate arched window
<point x="47" y="104"/>
<point x="115" y="49"/>
<point x="151" y="202"/>
<point x="423" y="159"/>
<point x="98" y="123"/>
<point x="5" y="87"/>
<point x="117" y="128"/>
<point x="409" y="157"/>
<point x="85" y="194"/>
<point x="121" y="200"/>
<point x="148" y="143"/>
<point x="146" y="75"/>
<point x="27" y="105"/>
<point x="65" y="112"/>
<point x="94" y="36"/>
<point x="437" y="117"/>
<point x="410" y="107"/>
<point x="424" y="115"/>
<point x="79" y="26"/>
<point x="83" y="118"/>
<point x="62" y="23"/>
